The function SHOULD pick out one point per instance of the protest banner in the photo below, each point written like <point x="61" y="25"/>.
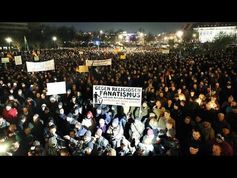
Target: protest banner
<point x="82" y="69"/>
<point x="105" y="62"/>
<point x="40" y="66"/>
<point x="56" y="88"/>
<point x="18" y="60"/>
<point x="123" y="56"/>
<point x="5" y="60"/>
<point x="117" y="95"/>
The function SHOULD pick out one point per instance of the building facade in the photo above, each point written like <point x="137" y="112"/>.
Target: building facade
<point x="209" y="33"/>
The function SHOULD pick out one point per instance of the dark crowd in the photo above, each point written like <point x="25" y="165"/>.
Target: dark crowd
<point x="188" y="105"/>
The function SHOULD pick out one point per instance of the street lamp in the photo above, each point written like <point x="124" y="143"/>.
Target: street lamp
<point x="54" y="38"/>
<point x="9" y="40"/>
<point x="101" y="32"/>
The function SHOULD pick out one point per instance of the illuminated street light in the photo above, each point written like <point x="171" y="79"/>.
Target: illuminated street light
<point x="9" y="40"/>
<point x="194" y="35"/>
<point x="101" y="31"/>
<point x="54" y="38"/>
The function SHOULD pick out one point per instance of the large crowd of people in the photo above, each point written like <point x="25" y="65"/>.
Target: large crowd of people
<point x="188" y="105"/>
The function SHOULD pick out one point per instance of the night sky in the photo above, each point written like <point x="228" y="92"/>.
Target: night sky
<point x="153" y="27"/>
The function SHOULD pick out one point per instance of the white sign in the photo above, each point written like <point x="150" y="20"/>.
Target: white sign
<point x="5" y="60"/>
<point x="40" y="66"/>
<point x="18" y="60"/>
<point x="56" y="88"/>
<point x="105" y="62"/>
<point x="115" y="95"/>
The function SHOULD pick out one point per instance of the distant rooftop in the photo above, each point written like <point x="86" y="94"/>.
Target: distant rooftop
<point x="213" y="24"/>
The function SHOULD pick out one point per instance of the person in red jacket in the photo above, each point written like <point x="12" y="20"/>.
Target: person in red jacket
<point x="10" y="114"/>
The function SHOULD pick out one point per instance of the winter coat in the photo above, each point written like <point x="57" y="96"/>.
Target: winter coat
<point x="10" y="115"/>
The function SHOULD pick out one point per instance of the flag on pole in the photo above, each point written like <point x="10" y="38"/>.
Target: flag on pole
<point x="26" y="44"/>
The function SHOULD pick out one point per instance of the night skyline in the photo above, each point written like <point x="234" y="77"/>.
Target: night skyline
<point x="152" y="27"/>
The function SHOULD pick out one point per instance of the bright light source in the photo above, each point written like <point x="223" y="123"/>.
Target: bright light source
<point x="182" y="97"/>
<point x="141" y="34"/>
<point x="199" y="101"/>
<point x="101" y="31"/>
<point x="8" y="39"/>
<point x="179" y="33"/>
<point x="194" y="35"/>
<point x="97" y="43"/>
<point x="120" y="37"/>
<point x="3" y="148"/>
<point x="54" y="38"/>
<point x="165" y="38"/>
